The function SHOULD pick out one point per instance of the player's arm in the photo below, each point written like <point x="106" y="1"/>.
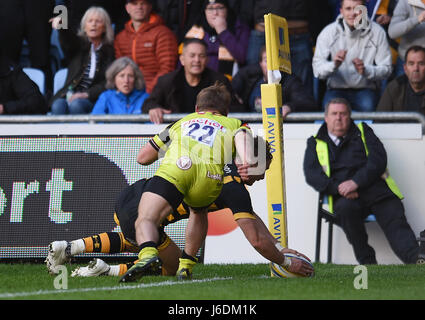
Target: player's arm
<point x="268" y="238"/>
<point x="264" y="243"/>
<point x="196" y="231"/>
<point x="251" y="173"/>
<point x="260" y="238"/>
<point x="236" y="197"/>
<point x="150" y="152"/>
<point x="147" y="155"/>
<point x="244" y="144"/>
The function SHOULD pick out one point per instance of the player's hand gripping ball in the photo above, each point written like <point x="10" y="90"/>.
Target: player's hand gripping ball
<point x="282" y="272"/>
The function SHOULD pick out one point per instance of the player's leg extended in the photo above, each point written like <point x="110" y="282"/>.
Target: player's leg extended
<point x="60" y="252"/>
<point x="195" y="234"/>
<point x="98" y="267"/>
<point x="169" y="253"/>
<point x="153" y="208"/>
<point x="196" y="231"/>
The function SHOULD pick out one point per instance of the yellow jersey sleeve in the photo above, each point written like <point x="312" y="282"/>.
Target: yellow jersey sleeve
<point x="162" y="140"/>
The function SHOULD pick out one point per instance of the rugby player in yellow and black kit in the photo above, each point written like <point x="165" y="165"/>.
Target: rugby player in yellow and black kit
<point x="196" y="149"/>
<point x="234" y="195"/>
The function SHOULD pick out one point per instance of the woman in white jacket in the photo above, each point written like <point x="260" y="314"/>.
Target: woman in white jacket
<point x="353" y="57"/>
<point x="408" y="24"/>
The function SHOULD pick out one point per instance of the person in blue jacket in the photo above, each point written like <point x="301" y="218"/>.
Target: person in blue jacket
<point x="125" y="92"/>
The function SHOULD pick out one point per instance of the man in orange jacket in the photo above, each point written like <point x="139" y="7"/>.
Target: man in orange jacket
<point x="148" y="41"/>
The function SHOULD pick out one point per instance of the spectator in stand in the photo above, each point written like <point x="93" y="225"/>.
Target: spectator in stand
<point x="147" y="41"/>
<point x="225" y="35"/>
<point x="377" y="10"/>
<point x="381" y="12"/>
<point x="348" y="162"/>
<point x="18" y="93"/>
<point x="126" y="92"/>
<point x="179" y="15"/>
<point x="29" y="20"/>
<point x="299" y="16"/>
<point x="352" y="58"/>
<point x="77" y="8"/>
<point x="407" y="92"/>
<point x="408" y="25"/>
<point x="176" y="91"/>
<point x="90" y="52"/>
<point x="247" y="86"/>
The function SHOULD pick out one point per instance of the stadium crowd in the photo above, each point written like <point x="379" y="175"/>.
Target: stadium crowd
<point x="336" y="51"/>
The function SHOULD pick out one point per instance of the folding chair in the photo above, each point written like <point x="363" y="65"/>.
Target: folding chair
<point x="323" y="214"/>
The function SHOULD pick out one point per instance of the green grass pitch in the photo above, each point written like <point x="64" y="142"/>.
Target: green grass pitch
<point x="25" y="281"/>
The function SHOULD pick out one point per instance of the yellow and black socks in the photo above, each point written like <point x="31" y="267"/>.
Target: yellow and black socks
<point x="187" y="261"/>
<point x="107" y="242"/>
<point x="148" y="249"/>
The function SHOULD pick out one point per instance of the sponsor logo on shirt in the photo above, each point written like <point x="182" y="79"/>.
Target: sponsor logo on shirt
<point x="217" y="176"/>
<point x="184" y="163"/>
<point x="204" y="122"/>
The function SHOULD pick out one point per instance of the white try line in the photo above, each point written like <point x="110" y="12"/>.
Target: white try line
<point x="115" y="288"/>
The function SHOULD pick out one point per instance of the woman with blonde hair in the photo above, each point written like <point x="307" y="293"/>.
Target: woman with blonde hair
<point x="126" y="89"/>
<point x="89" y="54"/>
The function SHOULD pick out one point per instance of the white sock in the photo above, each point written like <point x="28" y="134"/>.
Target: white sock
<point x="114" y="270"/>
<point x="77" y="247"/>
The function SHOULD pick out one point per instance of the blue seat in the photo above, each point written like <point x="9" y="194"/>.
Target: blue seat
<point x="38" y="77"/>
<point x="59" y="79"/>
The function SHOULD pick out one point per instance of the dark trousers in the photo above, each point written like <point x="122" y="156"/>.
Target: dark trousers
<point x="27" y="19"/>
<point x="390" y="217"/>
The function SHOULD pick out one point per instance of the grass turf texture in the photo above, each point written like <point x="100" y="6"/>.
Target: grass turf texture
<point x="228" y="282"/>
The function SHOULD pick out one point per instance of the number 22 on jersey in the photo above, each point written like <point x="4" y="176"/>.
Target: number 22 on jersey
<point x="202" y="130"/>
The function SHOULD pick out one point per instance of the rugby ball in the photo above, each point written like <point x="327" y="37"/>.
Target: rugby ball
<point x="281" y="272"/>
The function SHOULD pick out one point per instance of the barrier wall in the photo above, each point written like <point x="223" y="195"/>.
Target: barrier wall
<point x="30" y="153"/>
<point x="57" y="185"/>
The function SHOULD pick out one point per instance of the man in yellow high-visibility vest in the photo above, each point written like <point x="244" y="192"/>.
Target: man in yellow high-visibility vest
<point x="349" y="163"/>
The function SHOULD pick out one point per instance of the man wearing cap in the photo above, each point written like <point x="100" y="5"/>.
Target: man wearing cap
<point x="147" y="41"/>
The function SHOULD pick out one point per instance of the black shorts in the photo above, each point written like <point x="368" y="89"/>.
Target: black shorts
<point x="127" y="207"/>
<point x="127" y="210"/>
<point x="236" y="197"/>
<point x="165" y="189"/>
